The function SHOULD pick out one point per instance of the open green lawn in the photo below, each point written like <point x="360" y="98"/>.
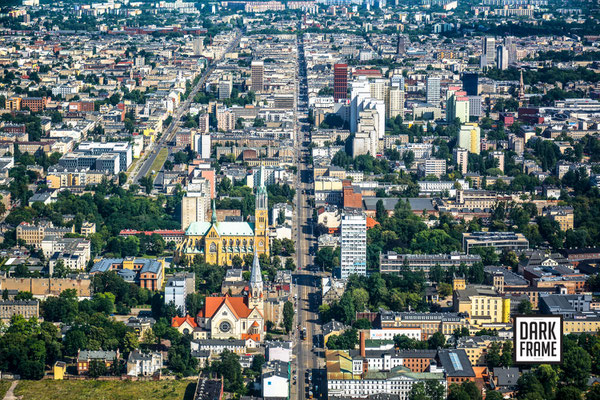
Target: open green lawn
<point x="4" y="385"/>
<point x="105" y="390"/>
<point x="160" y="159"/>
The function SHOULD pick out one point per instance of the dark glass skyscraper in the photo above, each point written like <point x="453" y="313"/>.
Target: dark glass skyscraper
<point x="340" y="81"/>
<point x="470" y="82"/>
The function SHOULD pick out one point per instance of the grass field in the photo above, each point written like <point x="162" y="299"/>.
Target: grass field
<point x="105" y="390"/>
<point x="160" y="159"/>
<point x="4" y="385"/>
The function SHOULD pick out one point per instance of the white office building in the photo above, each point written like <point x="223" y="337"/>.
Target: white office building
<point x="433" y="90"/>
<point x="177" y="289"/>
<point x="202" y="145"/>
<point x="353" y="244"/>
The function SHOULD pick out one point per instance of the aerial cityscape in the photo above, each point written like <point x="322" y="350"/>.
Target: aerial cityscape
<point x="300" y="199"/>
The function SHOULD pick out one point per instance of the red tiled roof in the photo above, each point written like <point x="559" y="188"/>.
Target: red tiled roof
<point x="236" y="304"/>
<point x="176" y="322"/>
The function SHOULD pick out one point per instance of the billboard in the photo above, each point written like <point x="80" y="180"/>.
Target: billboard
<point x="538" y="339"/>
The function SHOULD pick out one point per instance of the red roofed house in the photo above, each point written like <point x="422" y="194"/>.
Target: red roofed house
<point x="242" y="318"/>
<point x="185" y="325"/>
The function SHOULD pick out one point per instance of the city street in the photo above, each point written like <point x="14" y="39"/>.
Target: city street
<point x="143" y="166"/>
<point x="306" y="282"/>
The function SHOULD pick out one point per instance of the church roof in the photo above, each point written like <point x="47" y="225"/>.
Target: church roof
<point x="176" y="322"/>
<point x="224" y="228"/>
<point x="236" y="304"/>
<point x="255" y="274"/>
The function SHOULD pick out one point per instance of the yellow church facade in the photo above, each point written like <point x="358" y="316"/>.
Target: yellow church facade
<point x="219" y="242"/>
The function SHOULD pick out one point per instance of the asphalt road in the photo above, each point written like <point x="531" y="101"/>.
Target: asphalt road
<point x="145" y="163"/>
<point x="306" y="282"/>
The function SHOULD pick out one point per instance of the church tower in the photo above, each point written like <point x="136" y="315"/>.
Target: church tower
<point x="255" y="297"/>
<point x="261" y="216"/>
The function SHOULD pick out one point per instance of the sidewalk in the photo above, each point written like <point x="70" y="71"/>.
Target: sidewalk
<point x="10" y="394"/>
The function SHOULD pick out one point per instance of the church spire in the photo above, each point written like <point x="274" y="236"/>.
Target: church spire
<point x="262" y="201"/>
<point x="521" y="86"/>
<point x="213" y="219"/>
<point x="256" y="274"/>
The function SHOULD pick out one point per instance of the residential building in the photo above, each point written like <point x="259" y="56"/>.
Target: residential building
<point x="564" y="215"/>
<point x="195" y="204"/>
<point x="469" y="138"/>
<point x="84" y="357"/>
<point x="461" y="158"/>
<point x="393" y="263"/>
<point x="75" y="253"/>
<point x="433" y="167"/>
<point x="278" y="350"/>
<point x="353" y="232"/>
<point x="177" y="289"/>
<point x="144" y="364"/>
<point x="432" y="90"/>
<point x="429" y="323"/>
<point x="275" y="380"/>
<point x="45" y="287"/>
<point x="257" y="71"/>
<point x="476" y="347"/>
<point x="498" y="240"/>
<point x="347" y="377"/>
<point x="498" y="156"/>
<point x="26" y="308"/>
<point x="34" y="234"/>
<point x="483" y="304"/>
<point x="146" y="272"/>
<point x="457" y="106"/>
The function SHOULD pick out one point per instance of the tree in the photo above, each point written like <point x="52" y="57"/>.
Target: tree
<point x="362" y="323"/>
<point x="257" y="363"/>
<point x="24" y="296"/>
<point x="360" y="299"/>
<point x="593" y="394"/>
<point x="147" y="183"/>
<point x="236" y="261"/>
<point x="97" y="368"/>
<point x="289" y="264"/>
<point x="436" y="340"/>
<point x="493" y="395"/>
<point x="576" y="368"/>
<point x="288" y="316"/>
<point x="568" y="393"/>
<point x="525" y="307"/>
<point x="194" y="303"/>
<point x="230" y="369"/>
<point x="60" y="270"/>
<point x="409" y="158"/>
<point x="380" y="212"/>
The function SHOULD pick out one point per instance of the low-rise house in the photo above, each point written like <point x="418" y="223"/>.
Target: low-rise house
<point x="59" y="370"/>
<point x="185" y="325"/>
<point x="144" y="364"/>
<point x="84" y="357"/>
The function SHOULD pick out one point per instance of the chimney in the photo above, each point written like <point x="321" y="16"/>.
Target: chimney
<point x="362" y="343"/>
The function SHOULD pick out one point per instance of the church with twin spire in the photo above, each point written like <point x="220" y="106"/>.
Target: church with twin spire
<point x="218" y="242"/>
